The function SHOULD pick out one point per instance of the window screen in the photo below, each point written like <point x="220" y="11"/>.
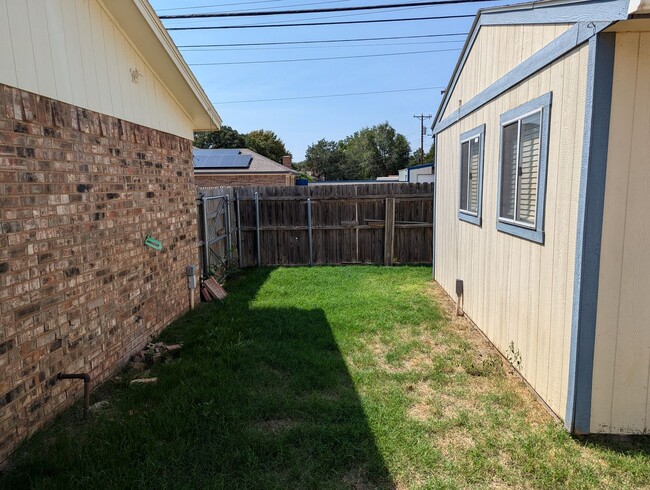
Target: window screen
<point x="520" y="169"/>
<point x="469" y="175"/>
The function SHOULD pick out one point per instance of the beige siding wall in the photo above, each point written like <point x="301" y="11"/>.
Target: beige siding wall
<point x="622" y="351"/>
<point x="515" y="290"/>
<point x="496" y="51"/>
<point x="73" y="51"/>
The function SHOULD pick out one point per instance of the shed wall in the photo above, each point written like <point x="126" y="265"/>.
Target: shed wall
<point x="622" y="350"/>
<point x="73" y="51"/>
<point x="517" y="291"/>
<point x="496" y="51"/>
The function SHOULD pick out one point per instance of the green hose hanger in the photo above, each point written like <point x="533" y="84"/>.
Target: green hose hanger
<point x="153" y="243"/>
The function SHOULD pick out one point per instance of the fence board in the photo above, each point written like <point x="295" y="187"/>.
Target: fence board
<point x="348" y="223"/>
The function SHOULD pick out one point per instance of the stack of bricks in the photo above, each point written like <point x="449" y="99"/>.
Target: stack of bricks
<point x="79" y="291"/>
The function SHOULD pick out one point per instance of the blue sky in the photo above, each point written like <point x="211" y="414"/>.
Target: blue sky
<point x="300" y="123"/>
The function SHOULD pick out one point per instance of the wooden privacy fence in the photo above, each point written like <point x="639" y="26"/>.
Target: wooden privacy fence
<point x="317" y="225"/>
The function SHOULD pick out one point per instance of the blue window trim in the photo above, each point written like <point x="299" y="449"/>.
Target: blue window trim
<point x="535" y="234"/>
<point x="468" y="135"/>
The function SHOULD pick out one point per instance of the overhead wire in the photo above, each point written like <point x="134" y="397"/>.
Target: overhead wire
<point x="356" y="46"/>
<point x="315" y="41"/>
<point x="214" y="15"/>
<point x="311" y="24"/>
<point x="323" y="58"/>
<point x="195" y="7"/>
<point x="323" y="96"/>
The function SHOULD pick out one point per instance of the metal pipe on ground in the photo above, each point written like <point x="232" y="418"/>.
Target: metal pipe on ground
<point x="86" y="379"/>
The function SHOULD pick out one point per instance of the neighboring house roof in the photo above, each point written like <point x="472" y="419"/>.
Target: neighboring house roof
<point x="141" y="24"/>
<point x="235" y="161"/>
<point x="594" y="12"/>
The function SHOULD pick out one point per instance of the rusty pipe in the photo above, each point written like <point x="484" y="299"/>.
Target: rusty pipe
<point x="86" y="379"/>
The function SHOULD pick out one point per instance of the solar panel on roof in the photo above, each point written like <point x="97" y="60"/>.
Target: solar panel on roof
<point x="220" y="158"/>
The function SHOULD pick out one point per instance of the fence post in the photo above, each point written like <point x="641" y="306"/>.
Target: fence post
<point x="206" y="240"/>
<point x="389" y="231"/>
<point x="239" y="251"/>
<point x="228" y="236"/>
<point x="257" y="229"/>
<point x="309" y="229"/>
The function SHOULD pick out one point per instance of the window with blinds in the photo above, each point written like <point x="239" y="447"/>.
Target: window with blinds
<point x="520" y="158"/>
<point x="471" y="171"/>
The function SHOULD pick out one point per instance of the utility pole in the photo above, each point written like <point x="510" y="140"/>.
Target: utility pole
<point x="423" y="131"/>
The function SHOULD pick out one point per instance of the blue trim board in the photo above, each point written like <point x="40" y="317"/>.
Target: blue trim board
<point x="566" y="42"/>
<point x="589" y="231"/>
<point x="467" y="135"/>
<point x="424" y="165"/>
<point x="533" y="234"/>
<point x="545" y="12"/>
<point x="435" y="222"/>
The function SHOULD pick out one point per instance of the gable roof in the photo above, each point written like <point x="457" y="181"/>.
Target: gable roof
<point x="233" y="161"/>
<point x="540" y="12"/>
<point x="141" y="24"/>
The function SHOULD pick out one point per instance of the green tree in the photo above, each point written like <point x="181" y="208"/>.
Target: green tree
<point x="327" y="161"/>
<point x="429" y="156"/>
<point x="266" y="143"/>
<point x="377" y="151"/>
<point x="227" y="137"/>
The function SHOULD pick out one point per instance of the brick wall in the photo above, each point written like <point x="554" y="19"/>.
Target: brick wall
<point x="234" y="180"/>
<point x="79" y="291"/>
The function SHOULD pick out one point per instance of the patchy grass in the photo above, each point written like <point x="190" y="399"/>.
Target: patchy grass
<point x="355" y="377"/>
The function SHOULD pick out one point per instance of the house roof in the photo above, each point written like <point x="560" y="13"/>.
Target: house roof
<point x="540" y="12"/>
<point x="235" y="161"/>
<point x="140" y="23"/>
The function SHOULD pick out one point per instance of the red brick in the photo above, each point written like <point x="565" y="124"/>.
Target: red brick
<point x="73" y="265"/>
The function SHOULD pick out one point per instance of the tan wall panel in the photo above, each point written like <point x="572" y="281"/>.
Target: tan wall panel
<point x="496" y="51"/>
<point x="515" y="290"/>
<point x="622" y="348"/>
<point x="72" y="51"/>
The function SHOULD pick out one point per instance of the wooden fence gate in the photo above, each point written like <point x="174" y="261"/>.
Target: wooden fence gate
<point x="317" y="225"/>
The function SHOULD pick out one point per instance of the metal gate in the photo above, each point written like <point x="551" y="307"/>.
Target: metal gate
<point x="215" y="233"/>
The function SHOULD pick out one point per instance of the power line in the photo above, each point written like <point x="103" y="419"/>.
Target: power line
<point x="231" y="4"/>
<point x="309" y="24"/>
<point x="356" y="46"/>
<point x="358" y="39"/>
<point x="317" y="11"/>
<point x="323" y="59"/>
<point x="329" y="95"/>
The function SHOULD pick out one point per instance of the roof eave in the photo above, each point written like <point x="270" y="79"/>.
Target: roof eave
<point x="620" y="10"/>
<point x="141" y="24"/>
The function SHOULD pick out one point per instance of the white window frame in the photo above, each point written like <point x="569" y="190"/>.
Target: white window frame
<point x="467" y="137"/>
<point x="533" y="232"/>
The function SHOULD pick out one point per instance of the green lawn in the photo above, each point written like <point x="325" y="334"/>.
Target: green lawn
<point x="346" y="377"/>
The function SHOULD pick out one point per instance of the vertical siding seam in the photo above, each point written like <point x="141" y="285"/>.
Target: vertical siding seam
<point x="49" y="43"/>
<point x="11" y="42"/>
<point x="589" y="232"/>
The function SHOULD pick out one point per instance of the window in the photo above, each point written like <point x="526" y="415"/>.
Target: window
<point x="471" y="175"/>
<point x="522" y="176"/>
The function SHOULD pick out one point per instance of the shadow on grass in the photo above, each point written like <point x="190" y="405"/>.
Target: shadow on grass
<point x="261" y="398"/>
<point x="631" y="445"/>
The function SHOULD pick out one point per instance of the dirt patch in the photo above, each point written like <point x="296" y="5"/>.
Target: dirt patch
<point x="485" y="358"/>
<point x="455" y="443"/>
<point x="421" y="356"/>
